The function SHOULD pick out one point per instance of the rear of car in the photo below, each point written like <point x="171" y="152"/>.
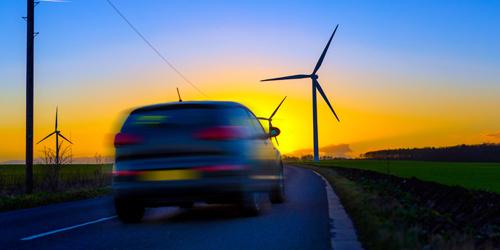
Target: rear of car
<point x="176" y="154"/>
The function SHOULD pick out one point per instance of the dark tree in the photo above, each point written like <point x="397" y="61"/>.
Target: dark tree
<point x="460" y="153"/>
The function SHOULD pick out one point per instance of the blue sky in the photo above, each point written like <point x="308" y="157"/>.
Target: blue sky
<point x="395" y="56"/>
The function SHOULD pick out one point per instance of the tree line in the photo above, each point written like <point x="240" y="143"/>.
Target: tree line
<point x="486" y="152"/>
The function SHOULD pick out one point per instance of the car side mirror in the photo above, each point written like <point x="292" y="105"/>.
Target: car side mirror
<point x="274" y="131"/>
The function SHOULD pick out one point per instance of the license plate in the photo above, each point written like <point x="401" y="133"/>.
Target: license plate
<point x="169" y="175"/>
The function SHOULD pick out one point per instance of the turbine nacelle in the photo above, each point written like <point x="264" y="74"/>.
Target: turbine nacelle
<point x="270" y="121"/>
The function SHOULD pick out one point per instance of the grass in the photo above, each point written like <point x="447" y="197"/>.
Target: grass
<point x="375" y="230"/>
<point x="67" y="171"/>
<point x="385" y="221"/>
<point x="44" y="198"/>
<point x="478" y="176"/>
<point x="51" y="184"/>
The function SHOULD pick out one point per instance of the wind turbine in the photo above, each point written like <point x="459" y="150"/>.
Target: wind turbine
<point x="315" y="86"/>
<point x="57" y="133"/>
<point x="270" y="119"/>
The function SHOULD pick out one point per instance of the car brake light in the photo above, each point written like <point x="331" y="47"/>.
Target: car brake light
<point x="221" y="133"/>
<point x="126" y="139"/>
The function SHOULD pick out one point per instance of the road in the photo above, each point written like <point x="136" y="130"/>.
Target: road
<point x="302" y="222"/>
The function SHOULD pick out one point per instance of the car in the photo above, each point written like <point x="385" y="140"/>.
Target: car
<point x="181" y="153"/>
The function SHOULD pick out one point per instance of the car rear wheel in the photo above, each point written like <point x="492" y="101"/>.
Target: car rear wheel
<point x="252" y="204"/>
<point x="128" y="212"/>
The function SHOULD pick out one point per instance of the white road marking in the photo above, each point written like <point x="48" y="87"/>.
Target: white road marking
<point x="32" y="237"/>
<point x="342" y="232"/>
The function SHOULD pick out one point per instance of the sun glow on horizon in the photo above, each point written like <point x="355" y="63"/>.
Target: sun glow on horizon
<point x="406" y="85"/>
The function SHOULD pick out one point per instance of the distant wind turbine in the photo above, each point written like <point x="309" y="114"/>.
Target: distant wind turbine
<point x="57" y="133"/>
<point x="315" y="86"/>
<point x="270" y="118"/>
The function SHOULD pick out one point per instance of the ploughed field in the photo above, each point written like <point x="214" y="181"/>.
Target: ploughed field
<point x="452" y="211"/>
<point x="50" y="178"/>
<point x="440" y="204"/>
<point x="478" y="176"/>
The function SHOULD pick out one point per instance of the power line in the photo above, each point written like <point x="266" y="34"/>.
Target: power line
<point x="154" y="48"/>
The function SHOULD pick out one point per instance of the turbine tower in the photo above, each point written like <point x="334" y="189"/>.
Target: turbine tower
<point x="57" y="133"/>
<point x="270" y="119"/>
<point x="315" y="86"/>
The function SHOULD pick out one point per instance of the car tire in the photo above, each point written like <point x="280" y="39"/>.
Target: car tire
<point x="128" y="212"/>
<point x="277" y="196"/>
<point x="252" y="204"/>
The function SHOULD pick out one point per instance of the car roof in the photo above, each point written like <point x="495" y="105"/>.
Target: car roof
<point x="186" y="104"/>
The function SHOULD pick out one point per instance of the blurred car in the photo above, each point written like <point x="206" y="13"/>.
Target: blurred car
<point x="176" y="154"/>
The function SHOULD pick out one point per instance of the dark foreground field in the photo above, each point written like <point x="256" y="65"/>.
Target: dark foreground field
<point x="392" y="212"/>
<point x="52" y="184"/>
<point x="51" y="178"/>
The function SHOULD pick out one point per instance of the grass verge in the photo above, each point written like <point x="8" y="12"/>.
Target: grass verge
<point x="45" y="198"/>
<point x="388" y="218"/>
<point x="48" y="178"/>
<point x="374" y="231"/>
<point x="52" y="184"/>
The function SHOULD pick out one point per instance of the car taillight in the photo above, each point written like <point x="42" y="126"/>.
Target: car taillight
<point x="221" y="133"/>
<point x="126" y="173"/>
<point x="126" y="139"/>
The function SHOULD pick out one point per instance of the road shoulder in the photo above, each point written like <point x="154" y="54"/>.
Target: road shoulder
<point x="343" y="235"/>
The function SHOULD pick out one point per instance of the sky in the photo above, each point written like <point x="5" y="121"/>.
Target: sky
<point x="398" y="73"/>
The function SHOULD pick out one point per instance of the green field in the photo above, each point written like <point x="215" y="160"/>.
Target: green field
<point x="481" y="176"/>
<point x="38" y="169"/>
<point x="77" y="176"/>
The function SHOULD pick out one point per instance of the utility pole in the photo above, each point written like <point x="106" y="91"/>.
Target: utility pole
<point x="30" y="34"/>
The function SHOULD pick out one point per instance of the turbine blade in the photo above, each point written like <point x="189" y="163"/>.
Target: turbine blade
<point x="326" y="99"/>
<point x="65" y="138"/>
<point x="286" y="78"/>
<point x="263" y="118"/>
<point x="276" y="110"/>
<point x="46" y="137"/>
<point x="320" y="61"/>
<point x="276" y="138"/>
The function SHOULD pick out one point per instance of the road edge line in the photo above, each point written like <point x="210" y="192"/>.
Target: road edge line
<point x="32" y="237"/>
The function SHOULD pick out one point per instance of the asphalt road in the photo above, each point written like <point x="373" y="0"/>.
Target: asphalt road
<point x="302" y="222"/>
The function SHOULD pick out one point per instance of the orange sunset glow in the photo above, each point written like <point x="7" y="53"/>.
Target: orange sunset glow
<point x="386" y="96"/>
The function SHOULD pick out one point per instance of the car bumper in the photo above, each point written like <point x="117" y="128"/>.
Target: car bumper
<point x="214" y="190"/>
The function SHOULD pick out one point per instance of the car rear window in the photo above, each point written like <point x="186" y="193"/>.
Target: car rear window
<point x="186" y="115"/>
<point x="173" y="116"/>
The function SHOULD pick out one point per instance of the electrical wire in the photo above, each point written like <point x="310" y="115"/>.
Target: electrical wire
<point x="154" y="48"/>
